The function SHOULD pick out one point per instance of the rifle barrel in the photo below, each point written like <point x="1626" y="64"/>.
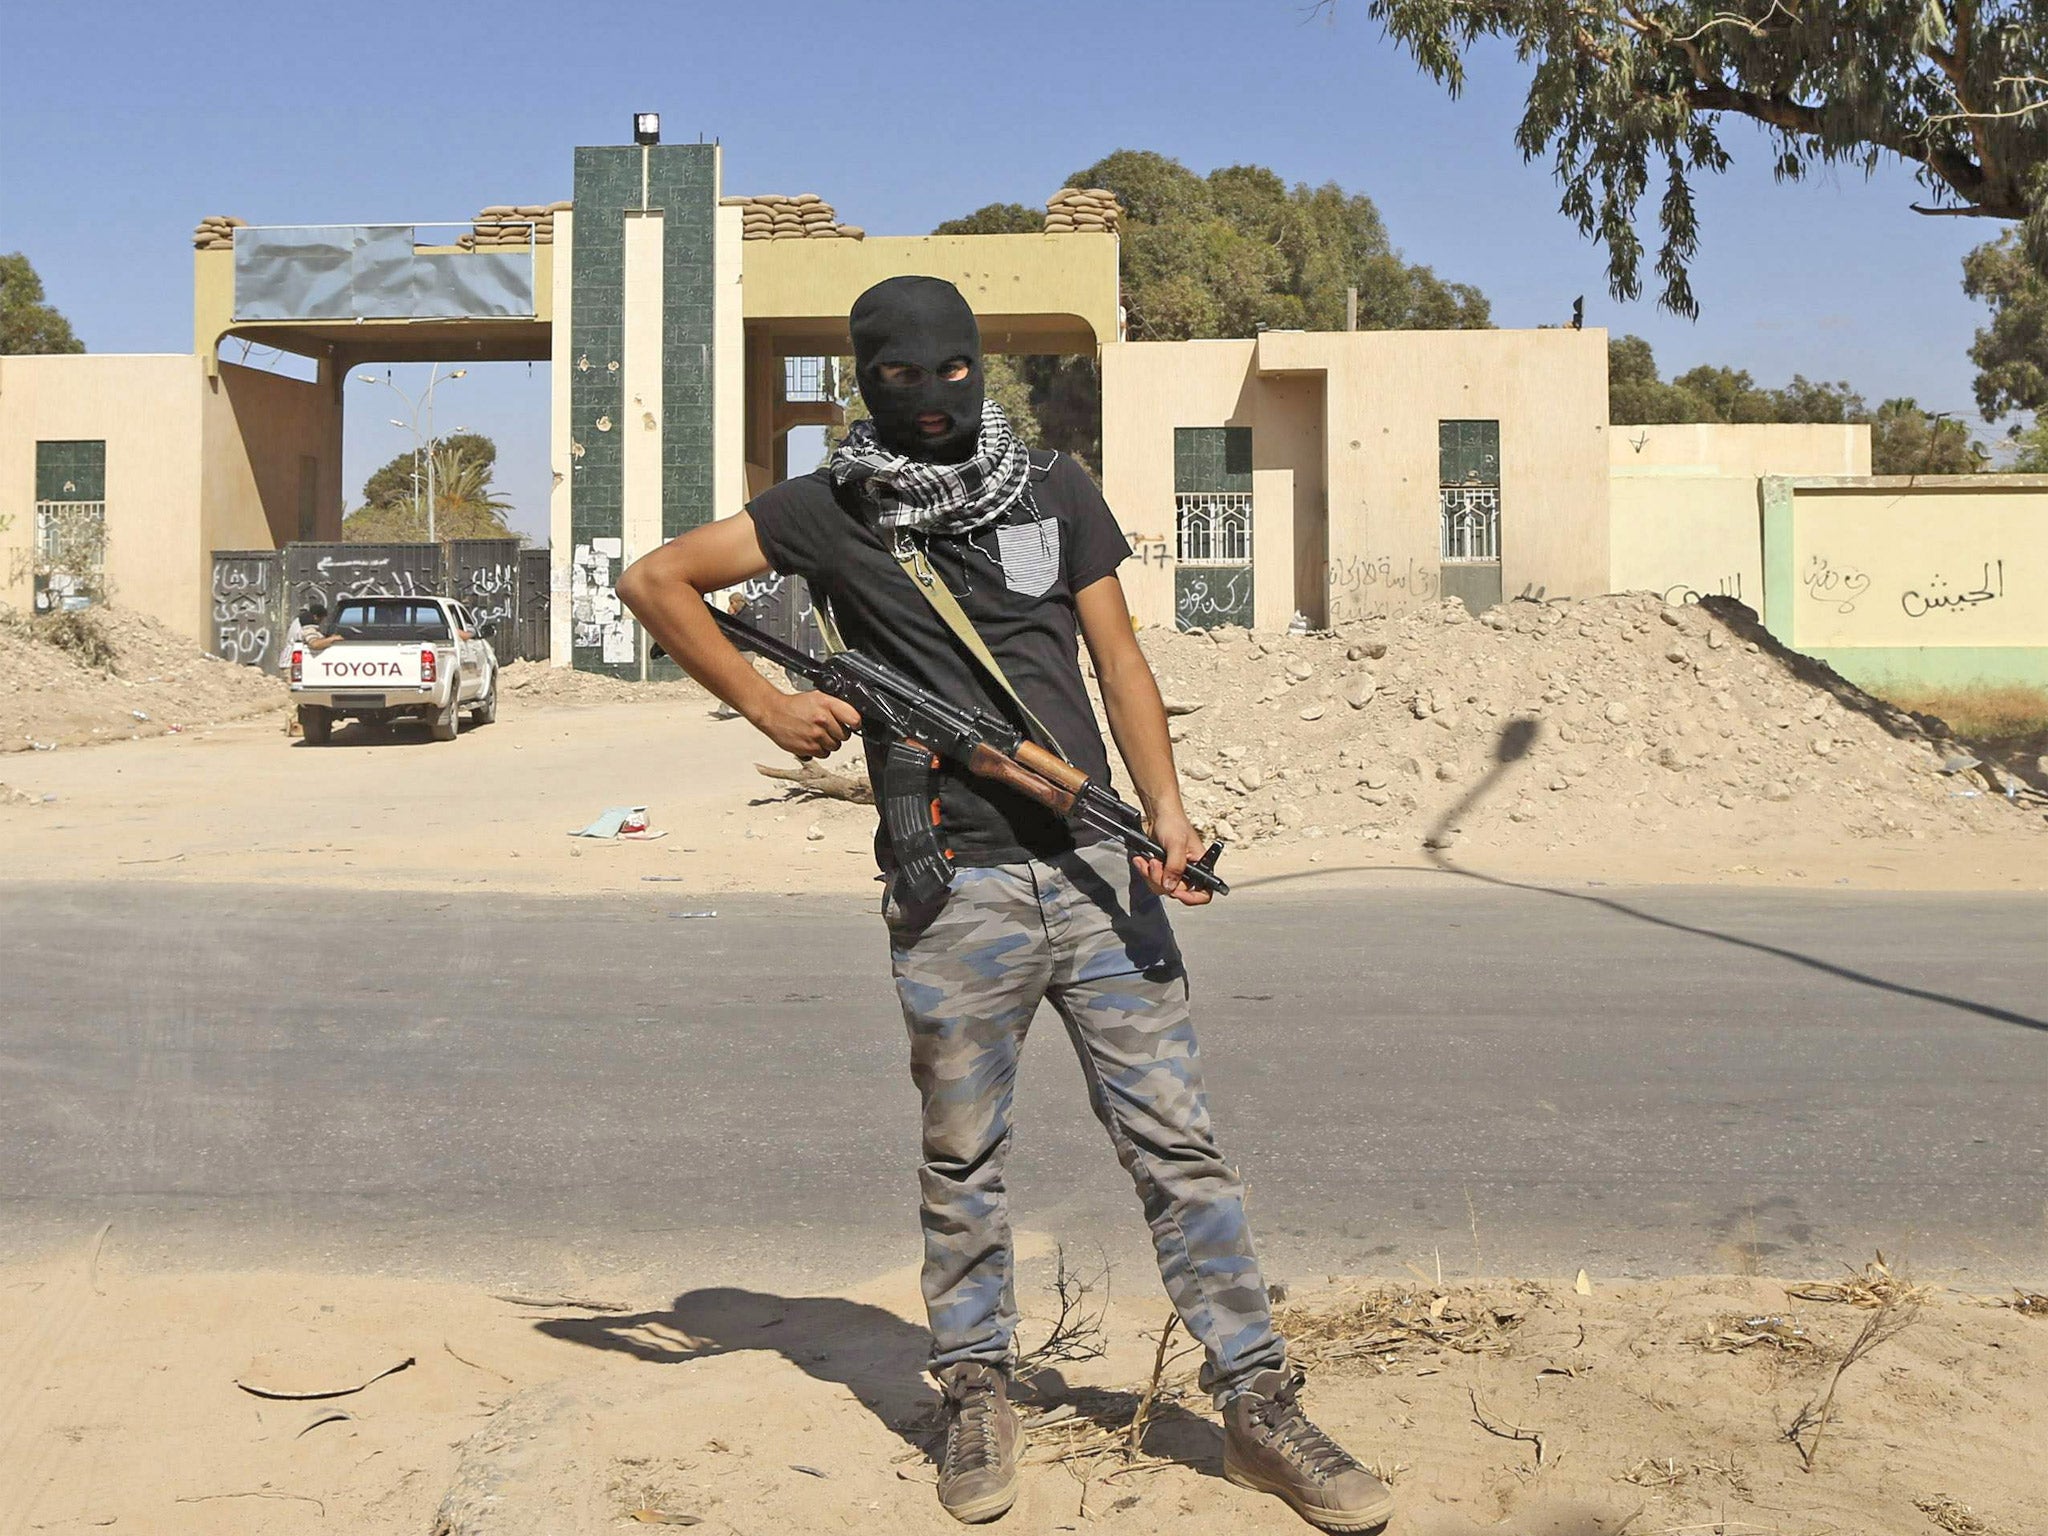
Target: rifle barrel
<point x="748" y="638"/>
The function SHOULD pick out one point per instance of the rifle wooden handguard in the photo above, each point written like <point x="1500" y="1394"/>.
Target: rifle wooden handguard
<point x="1056" y="769"/>
<point x="987" y="763"/>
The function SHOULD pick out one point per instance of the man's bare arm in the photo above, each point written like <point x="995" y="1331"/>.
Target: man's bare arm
<point x="665" y="590"/>
<point x="1137" y="719"/>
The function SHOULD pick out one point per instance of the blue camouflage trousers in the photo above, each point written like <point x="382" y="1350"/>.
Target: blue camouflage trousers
<point x="1083" y="931"/>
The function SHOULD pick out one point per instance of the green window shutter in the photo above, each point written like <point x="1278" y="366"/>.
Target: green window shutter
<point x="1212" y="459"/>
<point x="73" y="470"/>
<point x="1468" y="452"/>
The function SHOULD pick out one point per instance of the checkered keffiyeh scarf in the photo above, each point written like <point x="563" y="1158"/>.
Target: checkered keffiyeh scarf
<point x="945" y="499"/>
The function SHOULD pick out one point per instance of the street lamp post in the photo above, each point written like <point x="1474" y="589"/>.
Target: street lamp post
<point x="420" y="444"/>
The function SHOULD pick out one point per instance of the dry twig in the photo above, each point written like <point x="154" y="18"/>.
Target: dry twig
<point x="1505" y="1431"/>
<point x="1734" y="1333"/>
<point x="1887" y="1322"/>
<point x="852" y="788"/>
<point x="1955" y="1517"/>
<point x="1874" y="1286"/>
<point x="1077" y="1332"/>
<point x="1136" y="1436"/>
<point x="1396" y="1323"/>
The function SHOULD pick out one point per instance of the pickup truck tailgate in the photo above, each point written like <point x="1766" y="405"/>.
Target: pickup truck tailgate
<point x="359" y="666"/>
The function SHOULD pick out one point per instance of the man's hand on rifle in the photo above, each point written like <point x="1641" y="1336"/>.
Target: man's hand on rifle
<point x="1176" y="834"/>
<point x="805" y="724"/>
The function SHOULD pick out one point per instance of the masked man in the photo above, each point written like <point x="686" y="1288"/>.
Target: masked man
<point x="935" y="488"/>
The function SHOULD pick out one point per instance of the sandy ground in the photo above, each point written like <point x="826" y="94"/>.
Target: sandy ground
<point x="746" y="1412"/>
<point x="492" y="809"/>
<point x="126" y="1407"/>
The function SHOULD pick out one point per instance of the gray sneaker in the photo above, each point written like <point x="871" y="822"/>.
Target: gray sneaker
<point x="1270" y="1445"/>
<point x="978" y="1468"/>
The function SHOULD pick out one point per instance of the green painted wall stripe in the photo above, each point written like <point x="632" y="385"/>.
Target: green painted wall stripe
<point x="1939" y="666"/>
<point x="1774" y="492"/>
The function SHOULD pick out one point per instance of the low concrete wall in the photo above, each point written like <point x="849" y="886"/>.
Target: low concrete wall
<point x="1682" y="500"/>
<point x="1938" y="581"/>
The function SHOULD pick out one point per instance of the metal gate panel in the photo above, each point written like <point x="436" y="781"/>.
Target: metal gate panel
<point x="781" y="606"/>
<point x="487" y="582"/>
<point x="328" y="573"/>
<point x="536" y="605"/>
<point x="249" y="623"/>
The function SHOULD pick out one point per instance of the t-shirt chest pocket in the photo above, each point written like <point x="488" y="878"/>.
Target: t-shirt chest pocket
<point x="1030" y="556"/>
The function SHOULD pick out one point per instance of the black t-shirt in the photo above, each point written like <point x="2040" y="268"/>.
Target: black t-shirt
<point x="1016" y="582"/>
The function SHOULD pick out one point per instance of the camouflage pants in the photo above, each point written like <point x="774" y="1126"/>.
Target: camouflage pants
<point x="1083" y="932"/>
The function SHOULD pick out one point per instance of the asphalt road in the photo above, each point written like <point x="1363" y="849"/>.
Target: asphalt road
<point x="1508" y="1080"/>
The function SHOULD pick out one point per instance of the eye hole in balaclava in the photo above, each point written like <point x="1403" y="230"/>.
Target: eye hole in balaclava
<point x="924" y="324"/>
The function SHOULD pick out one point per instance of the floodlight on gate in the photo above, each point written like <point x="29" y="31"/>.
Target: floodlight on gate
<point x="646" y="127"/>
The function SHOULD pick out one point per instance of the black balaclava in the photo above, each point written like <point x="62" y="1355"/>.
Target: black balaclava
<point x="925" y="321"/>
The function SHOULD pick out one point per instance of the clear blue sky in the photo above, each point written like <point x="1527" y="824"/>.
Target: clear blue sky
<point x="121" y="124"/>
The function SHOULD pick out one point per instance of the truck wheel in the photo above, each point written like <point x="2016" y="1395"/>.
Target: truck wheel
<point x="486" y="710"/>
<point x="316" y="721"/>
<point x="448" y="723"/>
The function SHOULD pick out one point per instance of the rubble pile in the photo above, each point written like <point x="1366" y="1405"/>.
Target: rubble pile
<point x="216" y="232"/>
<point x="512" y="226"/>
<point x="157" y="682"/>
<point x="806" y="216"/>
<point x="1083" y="209"/>
<point x="1538" y="724"/>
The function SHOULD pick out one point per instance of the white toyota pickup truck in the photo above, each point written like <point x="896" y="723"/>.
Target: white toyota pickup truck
<point x="393" y="658"/>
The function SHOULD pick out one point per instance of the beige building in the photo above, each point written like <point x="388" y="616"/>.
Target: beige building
<point x="120" y="474"/>
<point x="1320" y="474"/>
<point x="1333" y="474"/>
<point x="677" y="325"/>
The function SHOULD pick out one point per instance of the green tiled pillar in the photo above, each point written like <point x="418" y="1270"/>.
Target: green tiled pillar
<point x="680" y="181"/>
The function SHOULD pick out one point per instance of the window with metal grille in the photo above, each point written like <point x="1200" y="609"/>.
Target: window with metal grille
<point x="1468" y="490"/>
<point x="70" y="553"/>
<point x="806" y="378"/>
<point x="1212" y="500"/>
<point x="1215" y="527"/>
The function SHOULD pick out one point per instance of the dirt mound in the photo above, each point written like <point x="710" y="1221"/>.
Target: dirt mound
<point x="108" y="675"/>
<point x="1539" y="724"/>
<point x="535" y="682"/>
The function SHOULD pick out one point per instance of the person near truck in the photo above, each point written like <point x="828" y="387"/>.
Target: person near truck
<point x="934" y="486"/>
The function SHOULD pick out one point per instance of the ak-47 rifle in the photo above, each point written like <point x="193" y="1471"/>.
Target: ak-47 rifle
<point x="918" y="729"/>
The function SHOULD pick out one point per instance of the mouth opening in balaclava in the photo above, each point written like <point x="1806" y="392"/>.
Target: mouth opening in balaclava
<point x="925" y="323"/>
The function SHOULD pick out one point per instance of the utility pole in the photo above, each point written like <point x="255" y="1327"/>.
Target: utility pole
<point x="420" y="444"/>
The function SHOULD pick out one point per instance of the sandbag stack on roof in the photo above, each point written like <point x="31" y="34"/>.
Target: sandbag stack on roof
<point x="806" y="216"/>
<point x="1083" y="210"/>
<point x="216" y="232"/>
<point x="512" y="226"/>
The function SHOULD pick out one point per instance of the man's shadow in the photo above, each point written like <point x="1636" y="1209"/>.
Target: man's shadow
<point x="876" y="1356"/>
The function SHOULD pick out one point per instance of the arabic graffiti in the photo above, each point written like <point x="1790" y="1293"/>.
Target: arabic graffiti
<point x="1918" y="604"/>
<point x="1373" y="583"/>
<point x="1727" y="586"/>
<point x="1364" y="573"/>
<point x="491" y="590"/>
<point x="1209" y="597"/>
<point x="1836" y="585"/>
<point x="245" y="610"/>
